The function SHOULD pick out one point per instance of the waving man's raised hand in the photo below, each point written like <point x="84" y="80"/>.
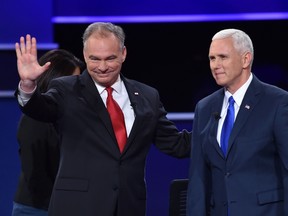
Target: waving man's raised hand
<point x="28" y="67"/>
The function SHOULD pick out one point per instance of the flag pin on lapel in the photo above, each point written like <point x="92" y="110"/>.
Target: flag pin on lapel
<point x="247" y="106"/>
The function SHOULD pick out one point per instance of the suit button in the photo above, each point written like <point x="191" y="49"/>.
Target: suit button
<point x="227" y="174"/>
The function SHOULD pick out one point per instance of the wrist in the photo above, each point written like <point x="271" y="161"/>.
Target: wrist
<point x="27" y="85"/>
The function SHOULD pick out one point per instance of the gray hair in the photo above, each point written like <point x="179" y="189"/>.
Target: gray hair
<point x="241" y="40"/>
<point x="103" y="29"/>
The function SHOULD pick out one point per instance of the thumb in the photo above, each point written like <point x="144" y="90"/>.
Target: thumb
<point x="46" y="66"/>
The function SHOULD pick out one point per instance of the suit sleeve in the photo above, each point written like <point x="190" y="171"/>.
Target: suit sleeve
<point x="281" y="136"/>
<point x="169" y="139"/>
<point x="197" y="198"/>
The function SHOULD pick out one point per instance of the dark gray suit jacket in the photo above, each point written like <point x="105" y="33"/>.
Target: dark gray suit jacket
<point x="253" y="179"/>
<point x="94" y="178"/>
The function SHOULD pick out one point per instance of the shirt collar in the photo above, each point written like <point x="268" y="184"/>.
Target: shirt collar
<point x="116" y="86"/>
<point x="239" y="94"/>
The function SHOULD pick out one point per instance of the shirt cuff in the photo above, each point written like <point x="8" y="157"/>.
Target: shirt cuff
<point x="23" y="96"/>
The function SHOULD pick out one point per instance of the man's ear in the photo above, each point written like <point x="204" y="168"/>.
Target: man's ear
<point x="247" y="59"/>
<point x="124" y="53"/>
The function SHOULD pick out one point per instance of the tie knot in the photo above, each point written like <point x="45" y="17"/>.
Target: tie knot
<point x="109" y="89"/>
<point x="231" y="100"/>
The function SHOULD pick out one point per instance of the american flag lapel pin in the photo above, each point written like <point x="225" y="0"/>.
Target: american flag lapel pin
<point x="247" y="106"/>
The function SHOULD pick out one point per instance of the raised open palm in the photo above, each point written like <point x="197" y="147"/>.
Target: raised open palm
<point x="28" y="67"/>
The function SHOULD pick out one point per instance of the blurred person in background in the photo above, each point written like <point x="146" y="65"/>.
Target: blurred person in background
<point x="39" y="143"/>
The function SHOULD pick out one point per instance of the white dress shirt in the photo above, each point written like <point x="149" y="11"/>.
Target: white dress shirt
<point x="238" y="97"/>
<point x="120" y="95"/>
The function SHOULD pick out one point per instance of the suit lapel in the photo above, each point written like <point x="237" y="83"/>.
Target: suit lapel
<point x="249" y="102"/>
<point x="216" y="107"/>
<point x="137" y="105"/>
<point x="94" y="101"/>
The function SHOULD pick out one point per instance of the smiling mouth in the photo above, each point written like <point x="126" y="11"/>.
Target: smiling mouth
<point x="102" y="73"/>
<point x="219" y="73"/>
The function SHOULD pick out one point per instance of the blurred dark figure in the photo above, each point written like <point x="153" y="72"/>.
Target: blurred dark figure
<point x="39" y="145"/>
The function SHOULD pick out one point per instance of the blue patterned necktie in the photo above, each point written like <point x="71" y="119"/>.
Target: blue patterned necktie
<point x="227" y="125"/>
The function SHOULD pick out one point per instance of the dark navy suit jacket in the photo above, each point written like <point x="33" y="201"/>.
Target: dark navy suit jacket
<point x="253" y="179"/>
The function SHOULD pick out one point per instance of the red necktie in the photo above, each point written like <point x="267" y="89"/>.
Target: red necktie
<point x="117" y="118"/>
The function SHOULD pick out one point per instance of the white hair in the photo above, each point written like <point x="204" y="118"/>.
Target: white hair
<point x="241" y="40"/>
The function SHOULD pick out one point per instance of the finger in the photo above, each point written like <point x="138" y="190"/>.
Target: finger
<point x="46" y="66"/>
<point x="34" y="47"/>
<point x="28" y="43"/>
<point x="17" y="49"/>
<point x="22" y="45"/>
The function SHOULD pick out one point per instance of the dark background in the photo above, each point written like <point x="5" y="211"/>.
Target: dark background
<point x="173" y="57"/>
